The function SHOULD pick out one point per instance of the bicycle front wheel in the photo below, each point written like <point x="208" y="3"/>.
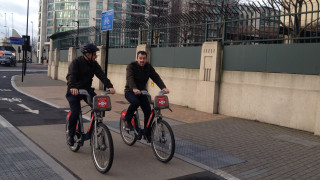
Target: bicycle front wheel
<point x="128" y="136"/>
<point x="162" y="141"/>
<point x="102" y="149"/>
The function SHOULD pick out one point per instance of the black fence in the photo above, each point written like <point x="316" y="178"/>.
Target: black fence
<point x="266" y="22"/>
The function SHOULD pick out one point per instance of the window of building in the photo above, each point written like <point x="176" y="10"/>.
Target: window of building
<point x="84" y="22"/>
<point x="51" y="1"/>
<point x="98" y="14"/>
<point x="50" y="7"/>
<point x="115" y="7"/>
<point x="49" y="31"/>
<point x="83" y="14"/>
<point x="84" y="6"/>
<point x="118" y="15"/>
<point x="98" y="22"/>
<point x="99" y="5"/>
<point x="50" y="15"/>
<point x="49" y="23"/>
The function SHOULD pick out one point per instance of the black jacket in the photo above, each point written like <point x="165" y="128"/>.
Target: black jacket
<point x="81" y="72"/>
<point x="137" y="76"/>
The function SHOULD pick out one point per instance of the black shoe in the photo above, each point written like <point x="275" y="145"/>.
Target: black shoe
<point x="70" y="140"/>
<point x="127" y="124"/>
<point x="139" y="136"/>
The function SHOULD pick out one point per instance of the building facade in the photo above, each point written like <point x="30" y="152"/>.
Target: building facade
<point x="71" y="14"/>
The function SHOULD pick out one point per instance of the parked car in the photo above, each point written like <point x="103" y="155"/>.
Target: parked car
<point x="7" y="58"/>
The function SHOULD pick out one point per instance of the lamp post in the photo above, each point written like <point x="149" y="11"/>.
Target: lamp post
<point x="32" y="41"/>
<point x="77" y="40"/>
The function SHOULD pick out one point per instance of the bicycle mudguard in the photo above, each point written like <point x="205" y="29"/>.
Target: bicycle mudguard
<point x="123" y="114"/>
<point x="68" y="115"/>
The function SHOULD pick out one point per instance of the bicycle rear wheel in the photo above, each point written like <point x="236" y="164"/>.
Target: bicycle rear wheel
<point x="76" y="137"/>
<point x="128" y="136"/>
<point x="102" y="152"/>
<point x="162" y="141"/>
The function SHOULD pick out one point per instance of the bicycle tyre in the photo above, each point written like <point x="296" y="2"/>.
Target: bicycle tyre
<point x="162" y="141"/>
<point x="128" y="136"/>
<point x="102" y="156"/>
<point x="77" y="136"/>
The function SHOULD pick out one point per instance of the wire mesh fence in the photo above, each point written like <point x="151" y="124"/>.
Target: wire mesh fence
<point x="261" y="22"/>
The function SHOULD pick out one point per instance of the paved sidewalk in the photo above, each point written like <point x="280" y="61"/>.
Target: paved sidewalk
<point x="232" y="147"/>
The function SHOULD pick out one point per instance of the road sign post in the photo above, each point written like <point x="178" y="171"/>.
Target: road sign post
<point x="107" y="25"/>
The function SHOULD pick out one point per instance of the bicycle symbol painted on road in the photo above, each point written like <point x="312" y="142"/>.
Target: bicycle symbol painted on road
<point x="11" y="99"/>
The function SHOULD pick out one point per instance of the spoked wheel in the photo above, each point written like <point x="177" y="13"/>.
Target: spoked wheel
<point x="76" y="137"/>
<point x="102" y="152"/>
<point x="128" y="136"/>
<point x="162" y="141"/>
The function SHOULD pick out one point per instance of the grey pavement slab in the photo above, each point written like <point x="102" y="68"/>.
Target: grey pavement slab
<point x="21" y="159"/>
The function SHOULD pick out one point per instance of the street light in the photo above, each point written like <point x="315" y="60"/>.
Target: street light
<point x="77" y="40"/>
<point x="32" y="40"/>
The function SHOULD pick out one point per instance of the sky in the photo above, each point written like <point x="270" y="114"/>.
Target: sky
<point x="16" y="12"/>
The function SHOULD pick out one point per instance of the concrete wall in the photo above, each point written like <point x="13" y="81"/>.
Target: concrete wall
<point x="289" y="100"/>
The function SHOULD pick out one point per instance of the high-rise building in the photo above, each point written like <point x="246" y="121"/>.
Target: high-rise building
<point x="87" y="13"/>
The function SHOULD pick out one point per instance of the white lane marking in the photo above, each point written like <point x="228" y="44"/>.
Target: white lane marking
<point x="28" y="109"/>
<point x="10" y="99"/>
<point x="5" y="90"/>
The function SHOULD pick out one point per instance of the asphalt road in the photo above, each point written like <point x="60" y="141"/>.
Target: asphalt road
<point x="45" y="126"/>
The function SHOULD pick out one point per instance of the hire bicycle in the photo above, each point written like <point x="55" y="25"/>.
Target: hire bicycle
<point x="162" y="137"/>
<point x="99" y="134"/>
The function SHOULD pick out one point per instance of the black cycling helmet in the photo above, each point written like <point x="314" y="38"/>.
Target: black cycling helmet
<point x="89" y="48"/>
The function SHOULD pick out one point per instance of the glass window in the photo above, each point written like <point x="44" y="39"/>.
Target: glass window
<point x="49" y="31"/>
<point x="50" y="15"/>
<point x="70" y="6"/>
<point x="51" y="1"/>
<point x="50" y="7"/>
<point x="98" y="22"/>
<point x="49" y="23"/>
<point x="99" y="5"/>
<point x="65" y="14"/>
<point x="84" y="22"/>
<point x="83" y="14"/>
<point x="118" y="15"/>
<point x="98" y="14"/>
<point x="116" y="7"/>
<point x="84" y="6"/>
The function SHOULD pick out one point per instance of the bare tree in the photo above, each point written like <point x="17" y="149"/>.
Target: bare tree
<point x="297" y="16"/>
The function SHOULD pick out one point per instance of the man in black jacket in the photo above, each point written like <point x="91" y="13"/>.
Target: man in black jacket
<point x="80" y="74"/>
<point x="138" y="74"/>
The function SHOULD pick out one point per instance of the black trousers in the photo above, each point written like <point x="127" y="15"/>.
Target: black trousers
<point x="136" y="101"/>
<point x="75" y="108"/>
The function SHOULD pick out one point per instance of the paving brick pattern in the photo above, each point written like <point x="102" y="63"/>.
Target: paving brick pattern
<point x="19" y="162"/>
<point x="269" y="151"/>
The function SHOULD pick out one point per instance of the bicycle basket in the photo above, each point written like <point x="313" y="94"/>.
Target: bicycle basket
<point x="161" y="102"/>
<point x="101" y="103"/>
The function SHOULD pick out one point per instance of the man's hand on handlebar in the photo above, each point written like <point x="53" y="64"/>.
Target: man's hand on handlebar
<point x="112" y="91"/>
<point x="136" y="91"/>
<point x="74" y="91"/>
<point x="166" y="90"/>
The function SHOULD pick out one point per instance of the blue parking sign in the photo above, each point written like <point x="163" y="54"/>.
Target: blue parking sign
<point x="107" y="20"/>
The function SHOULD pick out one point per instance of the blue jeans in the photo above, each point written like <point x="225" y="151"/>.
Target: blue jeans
<point x="75" y="108"/>
<point x="136" y="101"/>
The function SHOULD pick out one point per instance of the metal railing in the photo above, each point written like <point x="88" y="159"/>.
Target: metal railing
<point x="266" y="22"/>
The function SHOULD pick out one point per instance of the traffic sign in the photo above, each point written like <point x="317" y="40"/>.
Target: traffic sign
<point x="107" y="20"/>
<point x="16" y="40"/>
